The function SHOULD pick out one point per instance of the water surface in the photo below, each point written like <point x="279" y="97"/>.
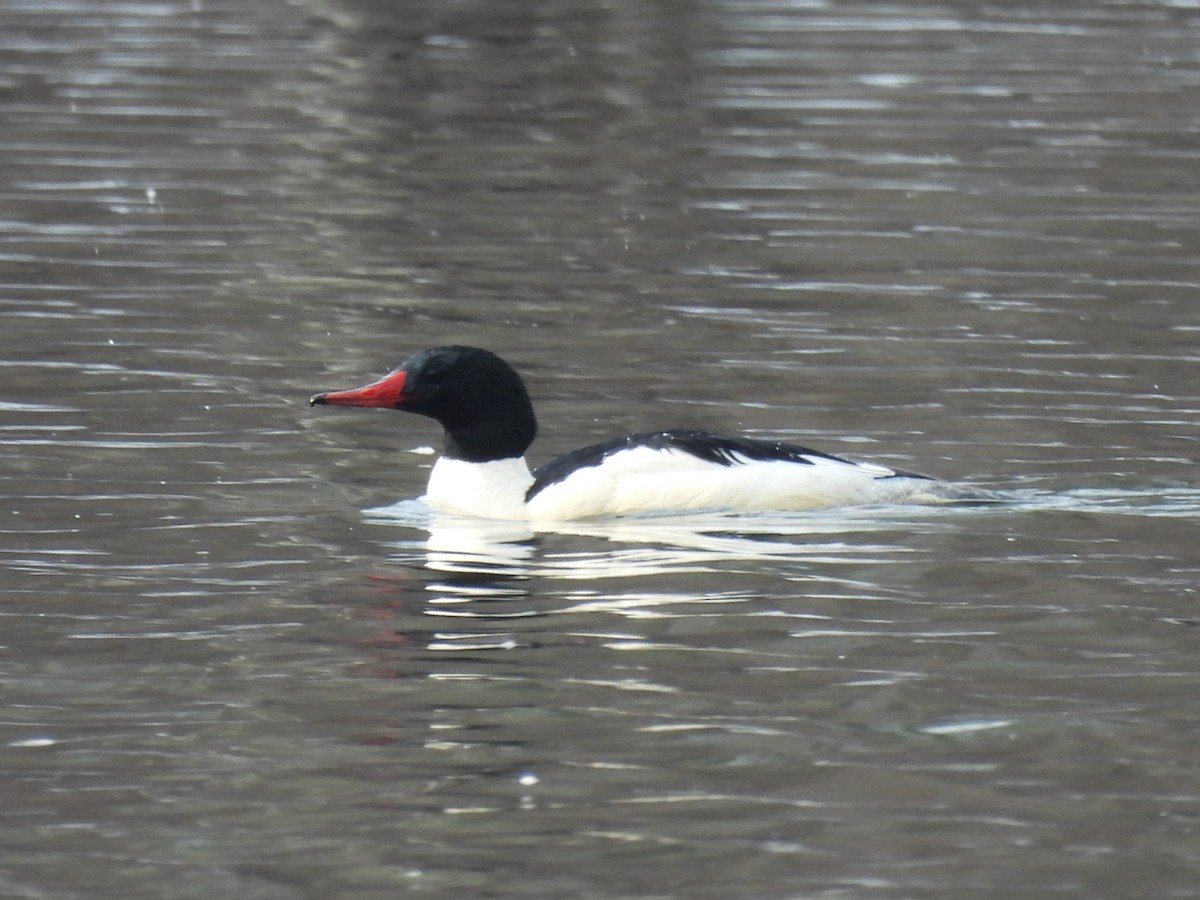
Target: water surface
<point x="958" y="238"/>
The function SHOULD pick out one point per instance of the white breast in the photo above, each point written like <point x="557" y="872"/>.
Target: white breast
<point x="493" y="490"/>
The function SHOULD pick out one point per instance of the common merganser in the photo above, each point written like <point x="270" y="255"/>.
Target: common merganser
<point x="483" y="405"/>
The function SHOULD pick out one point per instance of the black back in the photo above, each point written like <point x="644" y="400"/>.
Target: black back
<point x="713" y="448"/>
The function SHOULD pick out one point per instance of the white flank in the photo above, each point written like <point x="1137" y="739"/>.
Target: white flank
<point x="644" y="479"/>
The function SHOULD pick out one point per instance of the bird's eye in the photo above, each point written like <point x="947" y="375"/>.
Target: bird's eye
<point x="432" y="381"/>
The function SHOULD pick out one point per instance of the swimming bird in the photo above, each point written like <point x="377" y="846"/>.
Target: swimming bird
<point x="484" y="408"/>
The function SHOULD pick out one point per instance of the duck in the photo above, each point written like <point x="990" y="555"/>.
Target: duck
<point x="483" y="406"/>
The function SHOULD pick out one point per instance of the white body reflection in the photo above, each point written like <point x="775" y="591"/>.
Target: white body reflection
<point x="493" y="557"/>
<point x="635" y="546"/>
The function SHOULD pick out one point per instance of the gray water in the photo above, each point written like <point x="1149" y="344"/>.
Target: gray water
<point x="959" y="238"/>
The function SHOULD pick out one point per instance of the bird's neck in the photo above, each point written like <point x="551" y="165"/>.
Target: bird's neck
<point x="506" y="435"/>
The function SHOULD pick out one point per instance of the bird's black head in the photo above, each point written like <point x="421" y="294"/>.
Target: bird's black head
<point x="476" y="396"/>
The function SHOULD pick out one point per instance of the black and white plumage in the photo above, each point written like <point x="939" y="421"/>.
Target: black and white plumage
<point x="484" y="408"/>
